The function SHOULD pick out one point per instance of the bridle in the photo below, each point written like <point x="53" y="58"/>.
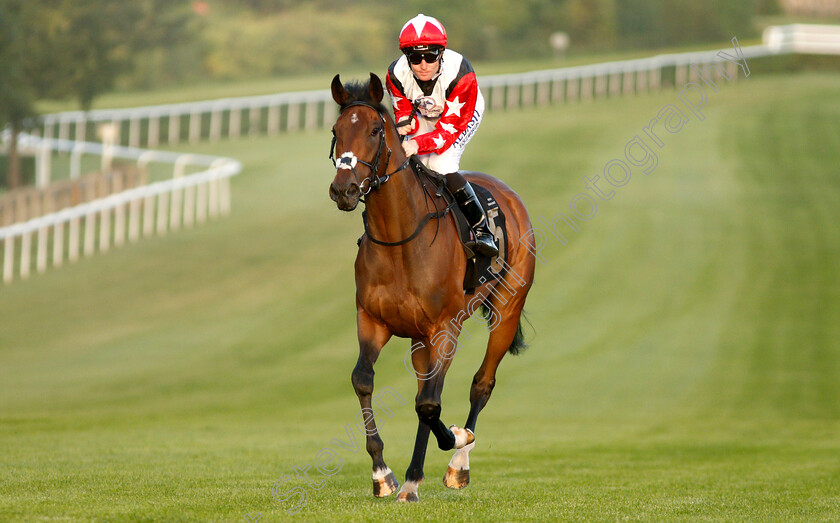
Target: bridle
<point x="348" y="160"/>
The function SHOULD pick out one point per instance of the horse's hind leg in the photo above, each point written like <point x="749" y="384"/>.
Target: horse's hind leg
<point x="372" y="337"/>
<point x="502" y="336"/>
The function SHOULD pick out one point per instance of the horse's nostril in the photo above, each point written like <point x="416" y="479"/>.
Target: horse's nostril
<point x="353" y="191"/>
<point x="333" y="193"/>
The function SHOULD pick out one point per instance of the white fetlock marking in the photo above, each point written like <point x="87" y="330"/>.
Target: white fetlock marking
<point x="462" y="436"/>
<point x="410" y="486"/>
<point x="461" y="459"/>
<point x="381" y="473"/>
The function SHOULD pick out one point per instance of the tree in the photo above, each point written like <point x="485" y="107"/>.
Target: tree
<point x="15" y="95"/>
<point x="61" y="48"/>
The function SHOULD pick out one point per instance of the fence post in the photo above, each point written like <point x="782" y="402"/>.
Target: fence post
<point x="543" y="92"/>
<point x="119" y="210"/>
<point x="235" y="122"/>
<point x="195" y="127"/>
<point x="215" y="125"/>
<point x="558" y="89"/>
<point x="293" y="116"/>
<point x="148" y="216"/>
<point x="134" y="132"/>
<point x="311" y="115"/>
<point x="58" y="244"/>
<point x="273" y="120"/>
<point x="573" y="88"/>
<point x="732" y="69"/>
<point x="514" y="90"/>
<point x="586" y="87"/>
<point x="223" y="188"/>
<point x="528" y="88"/>
<point x="76" y="161"/>
<point x="680" y="75"/>
<point x="81" y="129"/>
<point x="43" y="232"/>
<point x="600" y="84"/>
<point x="134" y="220"/>
<point x="63" y="129"/>
<point x="615" y="83"/>
<point x="201" y="203"/>
<point x="154" y="130"/>
<point x="641" y="83"/>
<point x="498" y="93"/>
<point x="174" y="128"/>
<point x="43" y="167"/>
<point x="655" y="78"/>
<point x="73" y="240"/>
<point x="8" y="259"/>
<point x="25" y="253"/>
<point x="163" y="200"/>
<point x="330" y="112"/>
<point x="213" y="198"/>
<point x="177" y="194"/>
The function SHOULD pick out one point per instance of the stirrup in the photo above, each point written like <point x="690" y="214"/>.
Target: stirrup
<point x="484" y="242"/>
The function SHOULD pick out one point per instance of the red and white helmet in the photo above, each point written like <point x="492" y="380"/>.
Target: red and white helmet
<point x="422" y="30"/>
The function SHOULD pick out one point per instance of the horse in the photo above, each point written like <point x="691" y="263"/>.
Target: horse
<point x="409" y="281"/>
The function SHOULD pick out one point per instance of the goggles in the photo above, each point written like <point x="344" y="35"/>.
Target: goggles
<point x="430" y="55"/>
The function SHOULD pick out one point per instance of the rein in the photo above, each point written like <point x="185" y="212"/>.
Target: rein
<point x="349" y="160"/>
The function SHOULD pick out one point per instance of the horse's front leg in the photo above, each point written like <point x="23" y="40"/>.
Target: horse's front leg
<point x="372" y="337"/>
<point x="430" y="362"/>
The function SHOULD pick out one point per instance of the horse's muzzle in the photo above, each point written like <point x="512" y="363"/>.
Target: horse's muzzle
<point x="346" y="196"/>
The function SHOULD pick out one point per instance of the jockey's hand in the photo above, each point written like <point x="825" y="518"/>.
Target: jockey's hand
<point x="405" y="129"/>
<point x="410" y="147"/>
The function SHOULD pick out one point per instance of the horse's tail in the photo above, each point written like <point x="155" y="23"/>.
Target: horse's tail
<point x="518" y="344"/>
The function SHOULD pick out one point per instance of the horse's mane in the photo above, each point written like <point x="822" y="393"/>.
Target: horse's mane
<point x="360" y="92"/>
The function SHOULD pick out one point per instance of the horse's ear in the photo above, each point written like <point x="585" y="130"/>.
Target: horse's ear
<point x="376" y="92"/>
<point x="338" y="92"/>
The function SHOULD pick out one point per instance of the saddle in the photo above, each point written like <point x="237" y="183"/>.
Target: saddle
<point x="480" y="269"/>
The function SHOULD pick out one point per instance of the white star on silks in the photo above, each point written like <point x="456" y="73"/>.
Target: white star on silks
<point x="396" y="100"/>
<point x="448" y="127"/>
<point x="439" y="141"/>
<point x="454" y="107"/>
<point x="418" y="26"/>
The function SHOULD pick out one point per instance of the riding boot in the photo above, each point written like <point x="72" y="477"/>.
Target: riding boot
<point x="476" y="217"/>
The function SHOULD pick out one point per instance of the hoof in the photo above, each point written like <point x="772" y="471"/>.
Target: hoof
<point x="410" y="492"/>
<point x="408" y="497"/>
<point x="386" y="484"/>
<point x="456" y="478"/>
<point x="463" y="437"/>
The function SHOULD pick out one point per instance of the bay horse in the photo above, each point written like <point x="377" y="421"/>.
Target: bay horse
<point x="409" y="280"/>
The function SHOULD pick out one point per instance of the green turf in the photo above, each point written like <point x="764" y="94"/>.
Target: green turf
<point x="684" y="355"/>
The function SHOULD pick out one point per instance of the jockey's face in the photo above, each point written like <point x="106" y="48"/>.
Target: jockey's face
<point x="425" y="71"/>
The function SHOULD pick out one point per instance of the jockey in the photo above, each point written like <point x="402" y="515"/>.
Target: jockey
<point x="442" y="85"/>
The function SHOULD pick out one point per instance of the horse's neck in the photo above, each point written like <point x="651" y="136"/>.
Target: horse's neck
<point x="396" y="208"/>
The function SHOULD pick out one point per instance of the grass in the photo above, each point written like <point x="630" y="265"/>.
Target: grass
<point x="683" y="362"/>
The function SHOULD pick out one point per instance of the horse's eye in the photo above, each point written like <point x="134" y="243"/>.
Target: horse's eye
<point x="376" y="130"/>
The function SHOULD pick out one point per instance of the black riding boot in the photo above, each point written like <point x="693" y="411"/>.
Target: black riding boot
<point x="468" y="202"/>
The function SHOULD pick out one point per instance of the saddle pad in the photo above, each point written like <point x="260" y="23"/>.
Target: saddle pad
<point x="481" y="269"/>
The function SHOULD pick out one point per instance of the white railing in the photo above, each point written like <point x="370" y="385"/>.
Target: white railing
<point x="274" y="114"/>
<point x="803" y="38"/>
<point x="151" y="209"/>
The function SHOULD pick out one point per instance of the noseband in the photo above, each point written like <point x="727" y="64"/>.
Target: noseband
<point x="348" y="160"/>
